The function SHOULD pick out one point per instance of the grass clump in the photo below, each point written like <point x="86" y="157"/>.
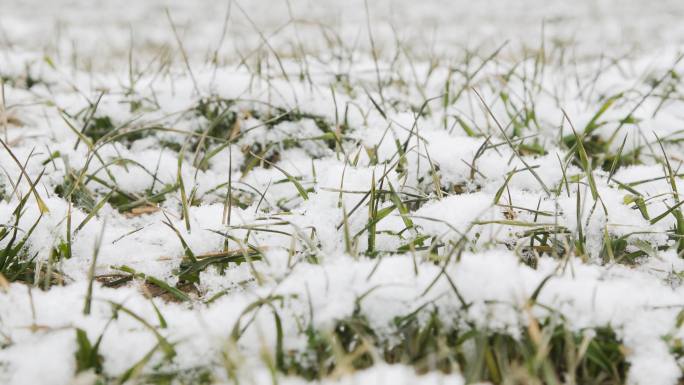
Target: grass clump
<point x="544" y="353"/>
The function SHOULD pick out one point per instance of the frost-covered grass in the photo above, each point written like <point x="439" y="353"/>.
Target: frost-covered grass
<point x="360" y="193"/>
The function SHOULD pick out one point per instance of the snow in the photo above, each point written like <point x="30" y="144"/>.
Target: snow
<point x="79" y="50"/>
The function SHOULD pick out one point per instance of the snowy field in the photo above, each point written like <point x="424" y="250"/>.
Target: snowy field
<point x="339" y="192"/>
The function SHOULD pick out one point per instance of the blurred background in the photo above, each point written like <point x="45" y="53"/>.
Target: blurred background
<point x="102" y="32"/>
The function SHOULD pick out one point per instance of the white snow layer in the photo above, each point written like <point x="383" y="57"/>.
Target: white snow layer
<point x="89" y="56"/>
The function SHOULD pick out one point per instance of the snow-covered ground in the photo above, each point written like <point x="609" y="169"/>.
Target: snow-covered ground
<point x="390" y="192"/>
